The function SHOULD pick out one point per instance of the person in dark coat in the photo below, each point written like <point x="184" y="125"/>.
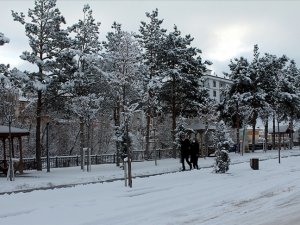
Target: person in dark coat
<point x="185" y="152"/>
<point x="195" y="153"/>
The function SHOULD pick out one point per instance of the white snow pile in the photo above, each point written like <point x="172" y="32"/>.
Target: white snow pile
<point x="270" y="195"/>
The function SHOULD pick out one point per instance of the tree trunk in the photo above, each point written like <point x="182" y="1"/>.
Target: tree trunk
<point x="129" y="156"/>
<point x="266" y="134"/>
<point x="273" y="135"/>
<point x="206" y="137"/>
<point x="89" y="146"/>
<point x="279" y="141"/>
<point x="253" y="137"/>
<point x="81" y="127"/>
<point x="291" y="134"/>
<point x="279" y="135"/>
<point x="173" y="116"/>
<point x="147" y="135"/>
<point x="237" y="128"/>
<point x="38" y="153"/>
<point x="253" y="130"/>
<point x="117" y="124"/>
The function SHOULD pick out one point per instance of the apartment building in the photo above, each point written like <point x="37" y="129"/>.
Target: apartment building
<point x="215" y="85"/>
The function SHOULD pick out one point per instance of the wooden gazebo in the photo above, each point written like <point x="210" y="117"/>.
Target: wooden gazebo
<point x="200" y="129"/>
<point x="282" y="133"/>
<point x="16" y="133"/>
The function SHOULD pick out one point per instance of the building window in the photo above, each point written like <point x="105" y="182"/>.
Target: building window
<point x="214" y="93"/>
<point x="214" y="83"/>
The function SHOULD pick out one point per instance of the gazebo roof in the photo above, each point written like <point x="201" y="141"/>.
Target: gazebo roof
<point x="15" y="132"/>
<point x="198" y="125"/>
<point x="283" y="129"/>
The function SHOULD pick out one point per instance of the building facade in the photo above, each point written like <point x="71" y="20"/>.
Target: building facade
<point x="215" y="85"/>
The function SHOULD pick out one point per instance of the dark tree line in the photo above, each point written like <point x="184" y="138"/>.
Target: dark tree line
<point x="154" y="72"/>
<point x="267" y="87"/>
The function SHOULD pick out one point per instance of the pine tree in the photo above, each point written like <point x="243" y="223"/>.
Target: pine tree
<point x="151" y="38"/>
<point x="207" y="114"/>
<point x="289" y="95"/>
<point x="232" y="108"/>
<point x="84" y="74"/>
<point x="180" y="91"/>
<point x="47" y="40"/>
<point x="86" y="48"/>
<point x="247" y="96"/>
<point x="86" y="108"/>
<point x="122" y="59"/>
<point x="270" y="80"/>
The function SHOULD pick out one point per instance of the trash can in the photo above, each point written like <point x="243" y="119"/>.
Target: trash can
<point x="254" y="163"/>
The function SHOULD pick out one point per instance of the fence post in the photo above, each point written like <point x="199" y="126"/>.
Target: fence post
<point x="56" y="162"/>
<point x="77" y="160"/>
<point x="96" y="159"/>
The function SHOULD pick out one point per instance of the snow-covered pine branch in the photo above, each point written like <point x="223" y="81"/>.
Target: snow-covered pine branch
<point x="3" y="39"/>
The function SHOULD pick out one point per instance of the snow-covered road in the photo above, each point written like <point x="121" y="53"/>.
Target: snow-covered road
<point x="270" y="195"/>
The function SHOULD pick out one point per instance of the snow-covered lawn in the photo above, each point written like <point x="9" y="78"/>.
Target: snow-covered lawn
<point x="270" y="195"/>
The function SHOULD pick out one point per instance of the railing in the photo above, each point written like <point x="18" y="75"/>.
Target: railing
<point x="71" y="161"/>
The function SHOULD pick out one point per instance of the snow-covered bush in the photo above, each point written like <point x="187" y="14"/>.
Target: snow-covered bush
<point x="222" y="161"/>
<point x="223" y="141"/>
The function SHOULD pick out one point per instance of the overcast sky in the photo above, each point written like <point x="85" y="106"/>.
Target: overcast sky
<point x="223" y="29"/>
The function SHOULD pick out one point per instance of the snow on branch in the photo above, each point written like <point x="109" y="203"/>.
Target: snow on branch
<point x="3" y="39"/>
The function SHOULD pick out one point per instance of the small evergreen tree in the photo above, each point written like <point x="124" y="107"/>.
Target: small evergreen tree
<point x="223" y="141"/>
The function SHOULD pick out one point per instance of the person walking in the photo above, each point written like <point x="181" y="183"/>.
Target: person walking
<point x="195" y="153"/>
<point x="185" y="152"/>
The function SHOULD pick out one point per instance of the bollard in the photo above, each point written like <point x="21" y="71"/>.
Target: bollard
<point x="254" y="163"/>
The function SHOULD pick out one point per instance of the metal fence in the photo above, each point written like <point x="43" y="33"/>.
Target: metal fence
<point x="71" y="161"/>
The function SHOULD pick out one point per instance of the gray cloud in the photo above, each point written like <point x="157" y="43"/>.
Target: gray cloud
<point x="222" y="29"/>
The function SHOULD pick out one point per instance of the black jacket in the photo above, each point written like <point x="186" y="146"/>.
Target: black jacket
<point x="185" y="147"/>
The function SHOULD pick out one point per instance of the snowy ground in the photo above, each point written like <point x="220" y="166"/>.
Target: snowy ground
<point x="270" y="195"/>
